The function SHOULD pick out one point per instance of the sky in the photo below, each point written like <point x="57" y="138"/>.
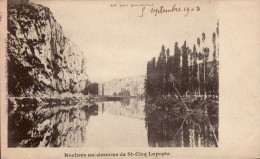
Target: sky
<point x="118" y="43"/>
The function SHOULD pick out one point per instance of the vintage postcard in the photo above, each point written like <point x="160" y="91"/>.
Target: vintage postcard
<point x="129" y="79"/>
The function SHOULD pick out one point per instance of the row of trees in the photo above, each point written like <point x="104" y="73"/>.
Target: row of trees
<point x="188" y="71"/>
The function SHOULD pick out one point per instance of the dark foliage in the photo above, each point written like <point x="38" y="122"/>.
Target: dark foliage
<point x="191" y="71"/>
<point x="91" y="88"/>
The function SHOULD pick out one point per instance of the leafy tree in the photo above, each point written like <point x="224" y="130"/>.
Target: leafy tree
<point x="167" y="54"/>
<point x="198" y="62"/>
<point x="151" y="83"/>
<point x="91" y="88"/>
<point x="206" y="71"/>
<point x="124" y="92"/>
<point x="194" y="69"/>
<point x="204" y="51"/>
<point x="171" y="75"/>
<point x="161" y="70"/>
<point x="213" y="74"/>
<point x="169" y="71"/>
<point x="176" y="70"/>
<point x="185" y="69"/>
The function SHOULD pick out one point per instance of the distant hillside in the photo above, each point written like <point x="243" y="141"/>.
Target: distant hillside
<point x="133" y="86"/>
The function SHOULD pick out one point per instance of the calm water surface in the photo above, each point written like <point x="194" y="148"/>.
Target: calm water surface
<point x="127" y="123"/>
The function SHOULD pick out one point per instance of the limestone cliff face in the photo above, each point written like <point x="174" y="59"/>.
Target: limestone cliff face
<point x="41" y="60"/>
<point x="133" y="86"/>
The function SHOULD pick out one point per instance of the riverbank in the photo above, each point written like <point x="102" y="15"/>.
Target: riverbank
<point x="65" y="99"/>
<point x="194" y="105"/>
<point x="113" y="98"/>
<point x="33" y="102"/>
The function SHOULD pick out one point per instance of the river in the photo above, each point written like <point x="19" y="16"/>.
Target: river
<point x="125" y="123"/>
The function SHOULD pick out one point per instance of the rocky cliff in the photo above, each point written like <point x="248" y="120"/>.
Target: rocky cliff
<point x="133" y="86"/>
<point x="41" y="60"/>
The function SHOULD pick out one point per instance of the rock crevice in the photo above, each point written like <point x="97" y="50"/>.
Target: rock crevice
<point x="41" y="60"/>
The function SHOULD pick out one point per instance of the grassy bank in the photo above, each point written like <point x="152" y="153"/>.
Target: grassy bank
<point x="195" y="105"/>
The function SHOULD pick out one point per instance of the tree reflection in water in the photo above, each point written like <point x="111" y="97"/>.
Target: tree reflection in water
<point x="175" y="129"/>
<point x="65" y="125"/>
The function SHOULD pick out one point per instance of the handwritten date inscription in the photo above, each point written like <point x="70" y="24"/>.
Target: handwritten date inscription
<point x="162" y="10"/>
<point x="150" y="9"/>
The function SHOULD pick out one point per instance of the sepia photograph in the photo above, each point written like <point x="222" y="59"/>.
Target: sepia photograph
<point x="129" y="79"/>
<point x="64" y="92"/>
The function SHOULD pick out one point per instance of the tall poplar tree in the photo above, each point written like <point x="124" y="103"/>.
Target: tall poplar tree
<point x="176" y="70"/>
<point x="198" y="62"/>
<point x="185" y="69"/>
<point x="151" y="84"/>
<point x="161" y="68"/>
<point x="204" y="52"/>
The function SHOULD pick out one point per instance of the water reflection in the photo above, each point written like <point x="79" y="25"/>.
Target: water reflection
<point x="66" y="125"/>
<point x="126" y="123"/>
<point x="132" y="108"/>
<point x="168" y="129"/>
<point x="49" y="127"/>
<point x="119" y="124"/>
